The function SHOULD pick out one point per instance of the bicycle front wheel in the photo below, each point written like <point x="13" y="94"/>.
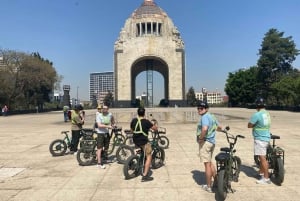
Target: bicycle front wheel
<point x="119" y="139"/>
<point x="58" y="147"/>
<point x="236" y="168"/>
<point x="132" y="167"/>
<point x="222" y="188"/>
<point x="163" y="142"/>
<point x="123" y="153"/>
<point x="279" y="171"/>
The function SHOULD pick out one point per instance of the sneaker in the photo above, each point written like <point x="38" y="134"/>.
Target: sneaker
<point x="263" y="181"/>
<point x="206" y="188"/>
<point x="75" y="153"/>
<point x="146" y="178"/>
<point x="101" y="166"/>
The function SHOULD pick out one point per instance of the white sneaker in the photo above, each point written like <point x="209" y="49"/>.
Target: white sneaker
<point x="263" y="181"/>
<point x="75" y="153"/>
<point x="206" y="188"/>
<point x="101" y="166"/>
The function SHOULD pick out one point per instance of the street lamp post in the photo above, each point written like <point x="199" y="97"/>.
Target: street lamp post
<point x="77" y="95"/>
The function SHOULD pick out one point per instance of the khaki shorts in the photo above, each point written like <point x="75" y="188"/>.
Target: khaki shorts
<point x="147" y="148"/>
<point x="260" y="147"/>
<point x="206" y="151"/>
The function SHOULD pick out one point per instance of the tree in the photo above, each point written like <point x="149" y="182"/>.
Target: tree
<point x="27" y="80"/>
<point x="241" y="86"/>
<point x="276" y="57"/>
<point x="191" y="97"/>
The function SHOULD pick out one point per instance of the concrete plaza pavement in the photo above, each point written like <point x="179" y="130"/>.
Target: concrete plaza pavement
<point x="28" y="172"/>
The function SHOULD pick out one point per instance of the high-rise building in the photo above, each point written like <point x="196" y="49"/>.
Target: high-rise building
<point x="100" y="85"/>
<point x="211" y="97"/>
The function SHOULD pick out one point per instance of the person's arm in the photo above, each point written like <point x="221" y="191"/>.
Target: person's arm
<point x="203" y="133"/>
<point x="250" y="125"/>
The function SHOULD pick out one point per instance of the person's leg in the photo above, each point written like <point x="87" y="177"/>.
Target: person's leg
<point x="76" y="139"/>
<point x="148" y="153"/>
<point x="208" y="173"/>
<point x="264" y="166"/>
<point x="72" y="147"/>
<point x="100" y="143"/>
<point x="106" y="146"/>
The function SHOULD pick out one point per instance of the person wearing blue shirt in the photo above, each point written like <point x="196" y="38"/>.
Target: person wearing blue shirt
<point x="206" y="137"/>
<point x="260" y="123"/>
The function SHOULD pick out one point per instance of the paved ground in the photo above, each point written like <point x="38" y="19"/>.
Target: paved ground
<point x="29" y="172"/>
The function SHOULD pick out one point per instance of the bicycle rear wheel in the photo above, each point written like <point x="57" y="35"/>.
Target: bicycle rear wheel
<point x="58" y="147"/>
<point x="132" y="167"/>
<point x="123" y="153"/>
<point x="85" y="158"/>
<point x="222" y="188"/>
<point x="158" y="157"/>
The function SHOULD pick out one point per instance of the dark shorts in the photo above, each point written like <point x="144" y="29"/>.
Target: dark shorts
<point x="102" y="140"/>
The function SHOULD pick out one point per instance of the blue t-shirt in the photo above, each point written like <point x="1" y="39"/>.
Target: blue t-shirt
<point x="261" y="121"/>
<point x="208" y="120"/>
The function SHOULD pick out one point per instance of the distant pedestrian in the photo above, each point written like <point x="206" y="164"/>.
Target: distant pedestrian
<point x="66" y="110"/>
<point x="5" y="110"/>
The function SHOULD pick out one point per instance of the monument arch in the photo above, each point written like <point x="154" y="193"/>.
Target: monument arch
<point x="149" y="42"/>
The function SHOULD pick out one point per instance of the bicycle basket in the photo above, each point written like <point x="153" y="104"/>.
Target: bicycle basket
<point x="87" y="133"/>
<point x="87" y="144"/>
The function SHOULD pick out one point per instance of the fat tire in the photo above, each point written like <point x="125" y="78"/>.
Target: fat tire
<point x="163" y="142"/>
<point x="158" y="157"/>
<point x="123" y="153"/>
<point x="279" y="171"/>
<point x="132" y="167"/>
<point x="236" y="166"/>
<point x="222" y="188"/>
<point x="118" y="140"/>
<point x="85" y="158"/>
<point x="58" y="147"/>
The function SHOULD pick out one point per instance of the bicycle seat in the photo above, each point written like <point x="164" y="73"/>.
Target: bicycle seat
<point x="128" y="131"/>
<point x="275" y="137"/>
<point x="225" y="149"/>
<point x="222" y="157"/>
<point x="64" y="132"/>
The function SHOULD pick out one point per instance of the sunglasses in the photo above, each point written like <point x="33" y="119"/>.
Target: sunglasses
<point x="200" y="108"/>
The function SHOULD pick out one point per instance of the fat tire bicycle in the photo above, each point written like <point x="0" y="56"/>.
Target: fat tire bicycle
<point x="134" y="165"/>
<point x="59" y="147"/>
<point x="228" y="166"/>
<point x="87" y="154"/>
<point x="275" y="158"/>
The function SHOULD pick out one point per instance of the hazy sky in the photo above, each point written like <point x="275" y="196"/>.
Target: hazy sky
<point x="78" y="35"/>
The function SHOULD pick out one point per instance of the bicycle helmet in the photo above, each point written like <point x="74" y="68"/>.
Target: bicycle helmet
<point x="202" y="104"/>
<point x="260" y="103"/>
<point x="78" y="107"/>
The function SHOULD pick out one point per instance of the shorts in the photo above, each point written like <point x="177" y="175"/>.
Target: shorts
<point x="206" y="151"/>
<point x="147" y="149"/>
<point x="260" y="147"/>
<point x="102" y="140"/>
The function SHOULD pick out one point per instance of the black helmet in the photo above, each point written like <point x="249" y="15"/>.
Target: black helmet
<point x="260" y="103"/>
<point x="202" y="104"/>
<point x="78" y="107"/>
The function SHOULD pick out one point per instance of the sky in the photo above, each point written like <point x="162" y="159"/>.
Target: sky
<point x="78" y="36"/>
